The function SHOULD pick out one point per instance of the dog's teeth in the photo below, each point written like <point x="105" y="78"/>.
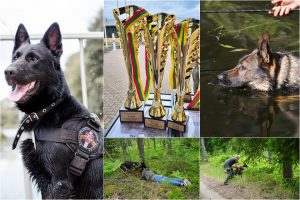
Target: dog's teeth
<point x="13" y="87"/>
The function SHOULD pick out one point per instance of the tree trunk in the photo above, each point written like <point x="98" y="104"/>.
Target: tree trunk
<point x="140" y="143"/>
<point x="203" y="149"/>
<point x="169" y="143"/>
<point x="123" y="144"/>
<point x="287" y="168"/>
<point x="270" y="157"/>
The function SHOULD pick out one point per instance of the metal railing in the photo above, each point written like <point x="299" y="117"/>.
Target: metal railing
<point x="72" y="36"/>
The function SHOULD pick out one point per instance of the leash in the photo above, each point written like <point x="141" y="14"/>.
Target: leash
<point x="31" y="119"/>
<point x="240" y="11"/>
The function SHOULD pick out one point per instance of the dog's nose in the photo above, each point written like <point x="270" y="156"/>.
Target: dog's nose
<point x="9" y="72"/>
<point x="220" y="76"/>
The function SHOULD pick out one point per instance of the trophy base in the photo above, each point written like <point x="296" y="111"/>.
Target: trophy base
<point x="135" y="115"/>
<point x="178" y="126"/>
<point x="157" y="123"/>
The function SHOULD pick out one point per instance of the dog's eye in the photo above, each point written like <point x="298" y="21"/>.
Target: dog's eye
<point x="32" y="58"/>
<point x="15" y="58"/>
<point x="242" y="67"/>
<point x="18" y="54"/>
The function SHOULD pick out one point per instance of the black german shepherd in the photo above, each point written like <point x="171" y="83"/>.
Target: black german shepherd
<point x="38" y="81"/>
<point x="238" y="170"/>
<point x="134" y="166"/>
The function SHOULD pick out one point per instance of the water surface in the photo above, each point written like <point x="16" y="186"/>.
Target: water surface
<point x="225" y="38"/>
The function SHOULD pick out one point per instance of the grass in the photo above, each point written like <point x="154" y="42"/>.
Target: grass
<point x="265" y="183"/>
<point x="120" y="186"/>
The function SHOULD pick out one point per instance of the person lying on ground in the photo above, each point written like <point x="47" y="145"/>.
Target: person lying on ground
<point x="228" y="167"/>
<point x="148" y="174"/>
<point x="283" y="7"/>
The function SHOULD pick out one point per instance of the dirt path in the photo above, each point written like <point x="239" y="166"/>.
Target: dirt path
<point x="211" y="188"/>
<point x="207" y="193"/>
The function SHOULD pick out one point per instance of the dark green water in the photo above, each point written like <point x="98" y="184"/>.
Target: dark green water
<point x="241" y="112"/>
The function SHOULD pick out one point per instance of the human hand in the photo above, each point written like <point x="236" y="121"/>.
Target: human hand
<point x="283" y="7"/>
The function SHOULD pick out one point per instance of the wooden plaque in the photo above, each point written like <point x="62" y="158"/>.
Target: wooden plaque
<point x="136" y="115"/>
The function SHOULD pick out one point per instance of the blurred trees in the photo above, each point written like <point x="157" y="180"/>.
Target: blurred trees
<point x="93" y="55"/>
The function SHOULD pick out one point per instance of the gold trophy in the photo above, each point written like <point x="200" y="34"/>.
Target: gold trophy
<point x="157" y="40"/>
<point x="186" y="56"/>
<point x="193" y="24"/>
<point x="132" y="111"/>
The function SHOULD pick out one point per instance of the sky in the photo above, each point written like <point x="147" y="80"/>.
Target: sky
<point x="73" y="16"/>
<point x="181" y="8"/>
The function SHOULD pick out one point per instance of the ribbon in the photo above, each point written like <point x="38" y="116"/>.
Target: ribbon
<point x="196" y="100"/>
<point x="142" y="92"/>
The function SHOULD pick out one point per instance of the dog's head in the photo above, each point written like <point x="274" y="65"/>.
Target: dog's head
<point x="252" y="70"/>
<point x="35" y="74"/>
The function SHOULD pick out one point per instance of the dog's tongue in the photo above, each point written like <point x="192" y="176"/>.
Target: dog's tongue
<point x="20" y="90"/>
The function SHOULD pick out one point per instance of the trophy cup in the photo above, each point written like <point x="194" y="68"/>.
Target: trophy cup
<point x="132" y="110"/>
<point x="186" y="56"/>
<point x="184" y="29"/>
<point x="157" y="40"/>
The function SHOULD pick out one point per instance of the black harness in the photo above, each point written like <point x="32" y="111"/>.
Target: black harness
<point x="81" y="134"/>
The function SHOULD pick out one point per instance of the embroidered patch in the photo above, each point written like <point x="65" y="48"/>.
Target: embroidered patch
<point x="88" y="139"/>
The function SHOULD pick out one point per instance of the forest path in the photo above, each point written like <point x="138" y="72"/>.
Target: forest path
<point x="206" y="192"/>
<point x="211" y="188"/>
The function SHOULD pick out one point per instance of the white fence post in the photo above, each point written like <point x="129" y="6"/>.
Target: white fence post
<point x="82" y="75"/>
<point x="114" y="42"/>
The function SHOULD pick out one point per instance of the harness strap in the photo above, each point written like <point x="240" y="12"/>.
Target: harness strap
<point x="59" y="135"/>
<point x="31" y="119"/>
<point x="79" y="162"/>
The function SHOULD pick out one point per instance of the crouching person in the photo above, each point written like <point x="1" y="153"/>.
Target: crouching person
<point x="228" y="167"/>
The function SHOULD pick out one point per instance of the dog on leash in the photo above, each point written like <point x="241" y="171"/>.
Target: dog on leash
<point x="67" y="158"/>
<point x="264" y="70"/>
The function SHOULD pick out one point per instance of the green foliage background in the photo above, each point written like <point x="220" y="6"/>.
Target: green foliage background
<point x="263" y="172"/>
<point x="179" y="161"/>
<point x="93" y="55"/>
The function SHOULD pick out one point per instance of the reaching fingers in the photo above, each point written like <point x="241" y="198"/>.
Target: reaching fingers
<point x="287" y="10"/>
<point x="276" y="10"/>
<point x="276" y="2"/>
<point x="282" y="10"/>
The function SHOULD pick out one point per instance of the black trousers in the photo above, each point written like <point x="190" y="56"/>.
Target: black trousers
<point x="230" y="174"/>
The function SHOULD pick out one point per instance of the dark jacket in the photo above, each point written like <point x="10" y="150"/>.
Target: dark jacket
<point x="229" y="162"/>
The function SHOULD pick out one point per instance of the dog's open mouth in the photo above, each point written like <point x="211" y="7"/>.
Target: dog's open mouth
<point x="21" y="93"/>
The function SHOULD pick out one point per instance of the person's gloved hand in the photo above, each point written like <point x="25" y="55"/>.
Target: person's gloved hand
<point x="283" y="7"/>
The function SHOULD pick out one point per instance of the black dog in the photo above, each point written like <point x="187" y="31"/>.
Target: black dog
<point x="238" y="170"/>
<point x="134" y="166"/>
<point x="66" y="161"/>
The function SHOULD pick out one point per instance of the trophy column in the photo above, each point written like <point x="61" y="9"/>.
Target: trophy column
<point x="157" y="40"/>
<point x="132" y="110"/>
<point x="185" y="56"/>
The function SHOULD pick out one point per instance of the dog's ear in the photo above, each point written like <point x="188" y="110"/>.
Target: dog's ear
<point x="21" y="37"/>
<point x="264" y="50"/>
<point x="52" y="40"/>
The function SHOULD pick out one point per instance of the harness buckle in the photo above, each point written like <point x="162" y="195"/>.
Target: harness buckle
<point x="78" y="163"/>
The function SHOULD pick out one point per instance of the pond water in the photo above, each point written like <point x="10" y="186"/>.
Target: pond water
<point x="227" y="37"/>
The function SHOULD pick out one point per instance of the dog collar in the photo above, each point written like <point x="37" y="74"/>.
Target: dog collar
<point x="31" y="119"/>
